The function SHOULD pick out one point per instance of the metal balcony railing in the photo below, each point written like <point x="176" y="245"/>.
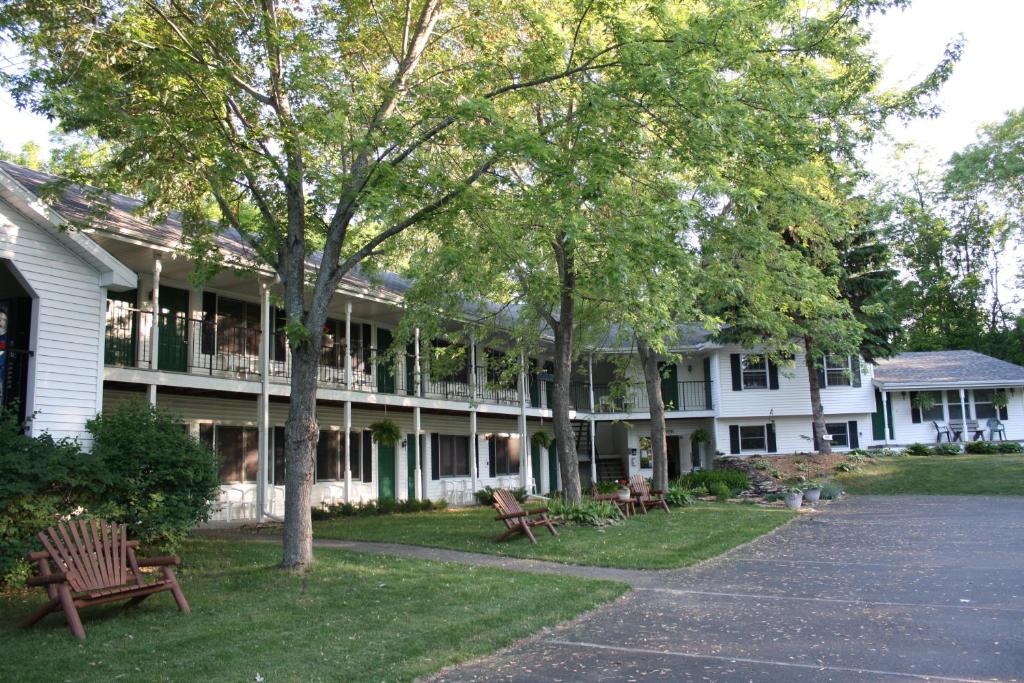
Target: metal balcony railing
<point x="632" y="398"/>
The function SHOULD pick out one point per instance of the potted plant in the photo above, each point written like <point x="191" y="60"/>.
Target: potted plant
<point x="794" y="497"/>
<point x="701" y="436"/>
<point x="624" y="492"/>
<point x="385" y="431"/>
<point x="542" y="439"/>
<point x="999" y="399"/>
<point x="812" y="491"/>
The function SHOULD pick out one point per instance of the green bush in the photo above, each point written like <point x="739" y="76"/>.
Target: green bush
<point x="830" y="491"/>
<point x="1010" y="447"/>
<point x="981" y="447"/>
<point x="846" y="467"/>
<point x="680" y="497"/>
<point x="946" y="449"/>
<point x="709" y="480"/>
<point x="41" y="481"/>
<point x="917" y="449"/>
<point x="485" y="496"/>
<point x="609" y="486"/>
<point x="587" y="512"/>
<point x="160" y="481"/>
<point x="722" y="492"/>
<point x="384" y="506"/>
<point x="774" y="497"/>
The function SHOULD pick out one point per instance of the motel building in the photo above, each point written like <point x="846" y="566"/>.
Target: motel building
<point x="93" y="316"/>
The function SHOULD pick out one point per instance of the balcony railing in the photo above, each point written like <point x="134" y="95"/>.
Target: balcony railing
<point x="632" y="398"/>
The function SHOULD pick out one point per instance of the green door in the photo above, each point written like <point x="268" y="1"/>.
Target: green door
<point x="410" y="466"/>
<point x="385" y="370"/>
<point x="173" y="342"/>
<point x="670" y="385"/>
<point x="385" y="470"/>
<point x="552" y="467"/>
<point x="535" y="466"/>
<point x="877" y="422"/>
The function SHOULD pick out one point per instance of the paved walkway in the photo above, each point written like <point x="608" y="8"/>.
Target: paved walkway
<point x="893" y="589"/>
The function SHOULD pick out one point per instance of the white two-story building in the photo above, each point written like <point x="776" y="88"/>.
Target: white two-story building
<point x="108" y="313"/>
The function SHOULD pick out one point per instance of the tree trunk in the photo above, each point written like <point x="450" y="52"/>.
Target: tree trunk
<point x="817" y="411"/>
<point x="565" y="439"/>
<point x="301" y="436"/>
<point x="659" y="447"/>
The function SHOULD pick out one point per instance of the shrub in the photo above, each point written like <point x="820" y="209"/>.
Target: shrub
<point x="1010" y="447"/>
<point x="774" y="497"/>
<point x="856" y="457"/>
<point x="775" y="474"/>
<point x="830" y="491"/>
<point x="861" y="451"/>
<point x="41" y="481"/>
<point x="680" y="497"/>
<point x="917" y="449"/>
<point x="485" y="496"/>
<point x="722" y="492"/>
<point x="846" y="467"/>
<point x="609" y="486"/>
<point x="587" y="512"/>
<point x="709" y="479"/>
<point x="762" y="465"/>
<point x="384" y="506"/>
<point x="160" y="481"/>
<point x="946" y="449"/>
<point x="981" y="447"/>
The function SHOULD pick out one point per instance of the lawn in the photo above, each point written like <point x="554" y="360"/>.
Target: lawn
<point x="655" y="541"/>
<point x="354" y="617"/>
<point x="992" y="475"/>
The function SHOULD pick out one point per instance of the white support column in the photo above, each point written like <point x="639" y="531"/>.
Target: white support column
<point x="593" y="428"/>
<point x="263" y="420"/>
<point x="963" y="416"/>
<point x="524" y="437"/>
<point x="348" y="449"/>
<point x="154" y="331"/>
<point x="348" y="346"/>
<point x="885" y="417"/>
<point x="417" y="424"/>
<point x="473" y="444"/>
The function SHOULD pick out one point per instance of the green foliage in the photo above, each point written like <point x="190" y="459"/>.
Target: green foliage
<point x="610" y="486"/>
<point x="946" y="449"/>
<point x="856" y="457"/>
<point x="161" y="482"/>
<point x="846" y="467"/>
<point x="762" y="465"/>
<point x="774" y="497"/>
<point x="709" y="480"/>
<point x="1010" y="447"/>
<point x="384" y="506"/>
<point x="680" y="497"/>
<point x="981" y="447"/>
<point x="386" y="432"/>
<point x="917" y="449"/>
<point x="722" y="492"/>
<point x="701" y="435"/>
<point x="587" y="512"/>
<point x="485" y="496"/>
<point x="542" y="439"/>
<point x="830" y="491"/>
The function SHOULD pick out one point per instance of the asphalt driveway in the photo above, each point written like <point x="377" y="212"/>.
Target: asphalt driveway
<point x="873" y="589"/>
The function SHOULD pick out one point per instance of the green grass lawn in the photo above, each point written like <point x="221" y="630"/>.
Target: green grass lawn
<point x="655" y="541"/>
<point x="354" y="617"/>
<point x="993" y="475"/>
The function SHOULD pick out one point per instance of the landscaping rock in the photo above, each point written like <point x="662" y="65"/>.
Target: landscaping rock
<point x="761" y="483"/>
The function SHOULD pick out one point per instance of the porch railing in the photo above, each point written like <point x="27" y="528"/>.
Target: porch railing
<point x="687" y="396"/>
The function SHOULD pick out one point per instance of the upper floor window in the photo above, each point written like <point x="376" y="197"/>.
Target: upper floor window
<point x="754" y="369"/>
<point x="839" y="371"/>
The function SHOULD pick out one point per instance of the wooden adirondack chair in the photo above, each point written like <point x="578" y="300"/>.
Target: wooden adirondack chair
<point x="516" y="519"/>
<point x="95" y="563"/>
<point x="645" y="497"/>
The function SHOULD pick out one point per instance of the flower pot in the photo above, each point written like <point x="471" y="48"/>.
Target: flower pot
<point x="623" y="494"/>
<point x="812" y="495"/>
<point x="793" y="500"/>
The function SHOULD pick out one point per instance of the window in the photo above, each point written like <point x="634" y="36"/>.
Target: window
<point x="506" y="455"/>
<point x="953" y="398"/>
<point x="928" y="404"/>
<point x="753" y="438"/>
<point x="238" y="449"/>
<point x="840" y="433"/>
<point x="755" y="372"/>
<point x="452" y="456"/>
<point x="230" y="325"/>
<point x="837" y="371"/>
<point x="983" y="407"/>
<point x="330" y="456"/>
<point x="277" y="473"/>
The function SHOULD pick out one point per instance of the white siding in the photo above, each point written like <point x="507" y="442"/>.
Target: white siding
<point x="792" y="434"/>
<point x="793" y="397"/>
<point x="65" y="387"/>
<point x="905" y="431"/>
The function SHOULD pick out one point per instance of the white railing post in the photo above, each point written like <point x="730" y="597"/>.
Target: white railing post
<point x="154" y="332"/>
<point x="885" y="417"/>
<point x="416" y="418"/>
<point x="263" y="457"/>
<point x="593" y="427"/>
<point x="524" y="437"/>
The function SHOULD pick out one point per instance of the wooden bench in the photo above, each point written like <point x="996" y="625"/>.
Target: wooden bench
<point x="645" y="497"/>
<point x="516" y="519"/>
<point x="972" y="428"/>
<point x="95" y="563"/>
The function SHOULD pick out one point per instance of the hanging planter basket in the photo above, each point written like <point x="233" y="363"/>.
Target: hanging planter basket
<point x="385" y="432"/>
<point x="542" y="439"/>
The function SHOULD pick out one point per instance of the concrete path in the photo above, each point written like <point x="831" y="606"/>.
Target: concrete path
<point x="873" y="589"/>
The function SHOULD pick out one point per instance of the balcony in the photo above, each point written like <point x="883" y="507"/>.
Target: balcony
<point x="691" y="396"/>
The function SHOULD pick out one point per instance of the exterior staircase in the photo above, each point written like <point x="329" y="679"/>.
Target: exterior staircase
<point x="581" y="429"/>
<point x="610" y="469"/>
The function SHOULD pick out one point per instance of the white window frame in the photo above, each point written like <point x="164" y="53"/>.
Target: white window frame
<point x="764" y="439"/>
<point x="846" y="370"/>
<point x="845" y="434"/>
<point x="744" y="371"/>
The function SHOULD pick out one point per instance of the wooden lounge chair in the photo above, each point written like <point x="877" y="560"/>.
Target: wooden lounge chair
<point x="644" y="496"/>
<point x="516" y="519"/>
<point x="95" y="563"/>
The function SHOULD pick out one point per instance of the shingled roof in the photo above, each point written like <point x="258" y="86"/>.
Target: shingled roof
<point x="946" y="369"/>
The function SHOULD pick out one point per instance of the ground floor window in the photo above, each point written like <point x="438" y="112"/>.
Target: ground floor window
<point x="450" y="456"/>
<point x="237" y="449"/>
<point x="753" y="438"/>
<point x="330" y="456"/>
<point x="506" y="450"/>
<point x="953" y="399"/>
<point x="840" y="433"/>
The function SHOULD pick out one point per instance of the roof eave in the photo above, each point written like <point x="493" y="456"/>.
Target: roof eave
<point x="948" y="384"/>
